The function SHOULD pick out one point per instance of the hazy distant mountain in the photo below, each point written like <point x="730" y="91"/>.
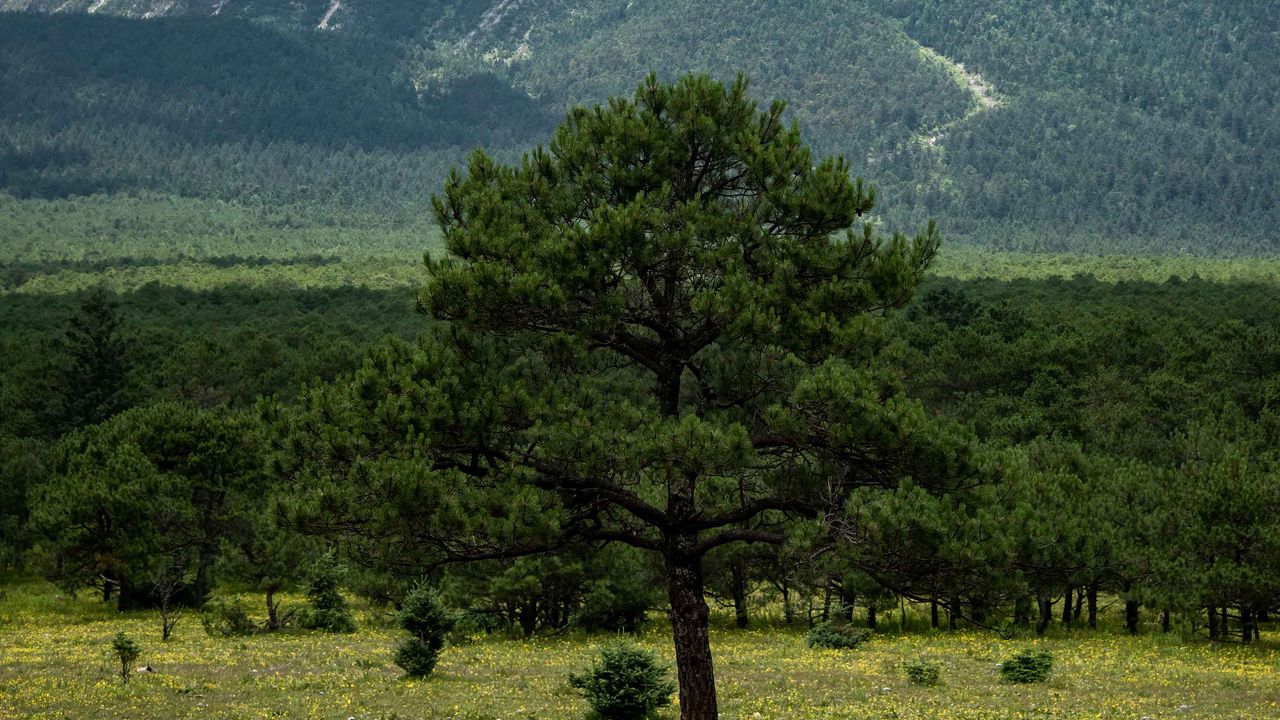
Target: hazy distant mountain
<point x="1017" y="123"/>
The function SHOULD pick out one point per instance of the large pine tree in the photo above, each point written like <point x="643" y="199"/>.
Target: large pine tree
<point x="659" y="330"/>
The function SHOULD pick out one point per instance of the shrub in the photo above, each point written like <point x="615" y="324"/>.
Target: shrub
<point x="328" y="609"/>
<point x="227" y="619"/>
<point x="416" y="657"/>
<point x="625" y="683"/>
<point x="837" y="637"/>
<point x="127" y="651"/>
<point x="1027" y="667"/>
<point x="428" y="623"/>
<point x="923" y="672"/>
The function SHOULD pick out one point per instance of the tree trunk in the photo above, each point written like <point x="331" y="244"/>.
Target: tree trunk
<point x="1213" y="623"/>
<point x="528" y="618"/>
<point x="739" y="583"/>
<point x="1066" y="608"/>
<point x="1093" y="606"/>
<point x="200" y="587"/>
<point x="847" y="602"/>
<point x="978" y="611"/>
<point x="1131" y="616"/>
<point x="694" y="669"/>
<point x="1022" y="611"/>
<point x="788" y="613"/>
<point x="167" y="621"/>
<point x="871" y="617"/>
<point x="273" y="610"/>
<point x="1046" y="616"/>
<point x="933" y="613"/>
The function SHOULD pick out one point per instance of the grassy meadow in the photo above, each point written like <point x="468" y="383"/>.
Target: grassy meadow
<point x="55" y="662"/>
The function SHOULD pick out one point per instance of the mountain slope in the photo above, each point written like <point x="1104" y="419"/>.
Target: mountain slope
<point x="1017" y="123"/>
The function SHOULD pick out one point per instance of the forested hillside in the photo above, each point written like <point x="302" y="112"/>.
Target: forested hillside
<point x="1024" y="125"/>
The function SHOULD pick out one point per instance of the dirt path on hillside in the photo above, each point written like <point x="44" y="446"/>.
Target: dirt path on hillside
<point x="334" y="6"/>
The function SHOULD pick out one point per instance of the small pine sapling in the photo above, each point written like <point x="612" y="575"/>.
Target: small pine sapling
<point x="428" y="623"/>
<point x="127" y="651"/>
<point x="625" y="683"/>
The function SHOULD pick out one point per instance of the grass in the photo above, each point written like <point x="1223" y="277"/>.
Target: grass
<point x="55" y="662"/>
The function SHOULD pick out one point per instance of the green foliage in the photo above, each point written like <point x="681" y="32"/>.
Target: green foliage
<point x="141" y="489"/>
<point x="836" y="636"/>
<point x="94" y="382"/>
<point x="23" y="464"/>
<point x="609" y="589"/>
<point x="1027" y="667"/>
<point x="227" y="618"/>
<point x="127" y="652"/>
<point x="327" y="609"/>
<point x="625" y="683"/>
<point x="923" y="672"/>
<point x="618" y="602"/>
<point x="416" y="657"/>
<point x="428" y="624"/>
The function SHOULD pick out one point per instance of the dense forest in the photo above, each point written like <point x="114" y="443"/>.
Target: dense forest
<point x="1162" y="387"/>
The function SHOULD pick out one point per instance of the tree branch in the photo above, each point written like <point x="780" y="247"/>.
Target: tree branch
<point x="737" y="535"/>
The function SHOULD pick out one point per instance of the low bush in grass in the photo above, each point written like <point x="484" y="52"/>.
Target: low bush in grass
<point x="624" y="683"/>
<point x="831" y="636"/>
<point x="227" y="618"/>
<point x="923" y="672"/>
<point x="1027" y="667"/>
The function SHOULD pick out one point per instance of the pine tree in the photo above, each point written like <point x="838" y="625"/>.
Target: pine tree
<point x="94" y="384"/>
<point x="659" y="331"/>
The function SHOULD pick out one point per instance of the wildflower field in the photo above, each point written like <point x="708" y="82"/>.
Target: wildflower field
<point x="55" y="662"/>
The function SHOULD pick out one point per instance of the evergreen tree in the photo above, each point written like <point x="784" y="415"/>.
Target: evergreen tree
<point x="94" y="384"/>
<point x="128" y="496"/>
<point x="654" y="336"/>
